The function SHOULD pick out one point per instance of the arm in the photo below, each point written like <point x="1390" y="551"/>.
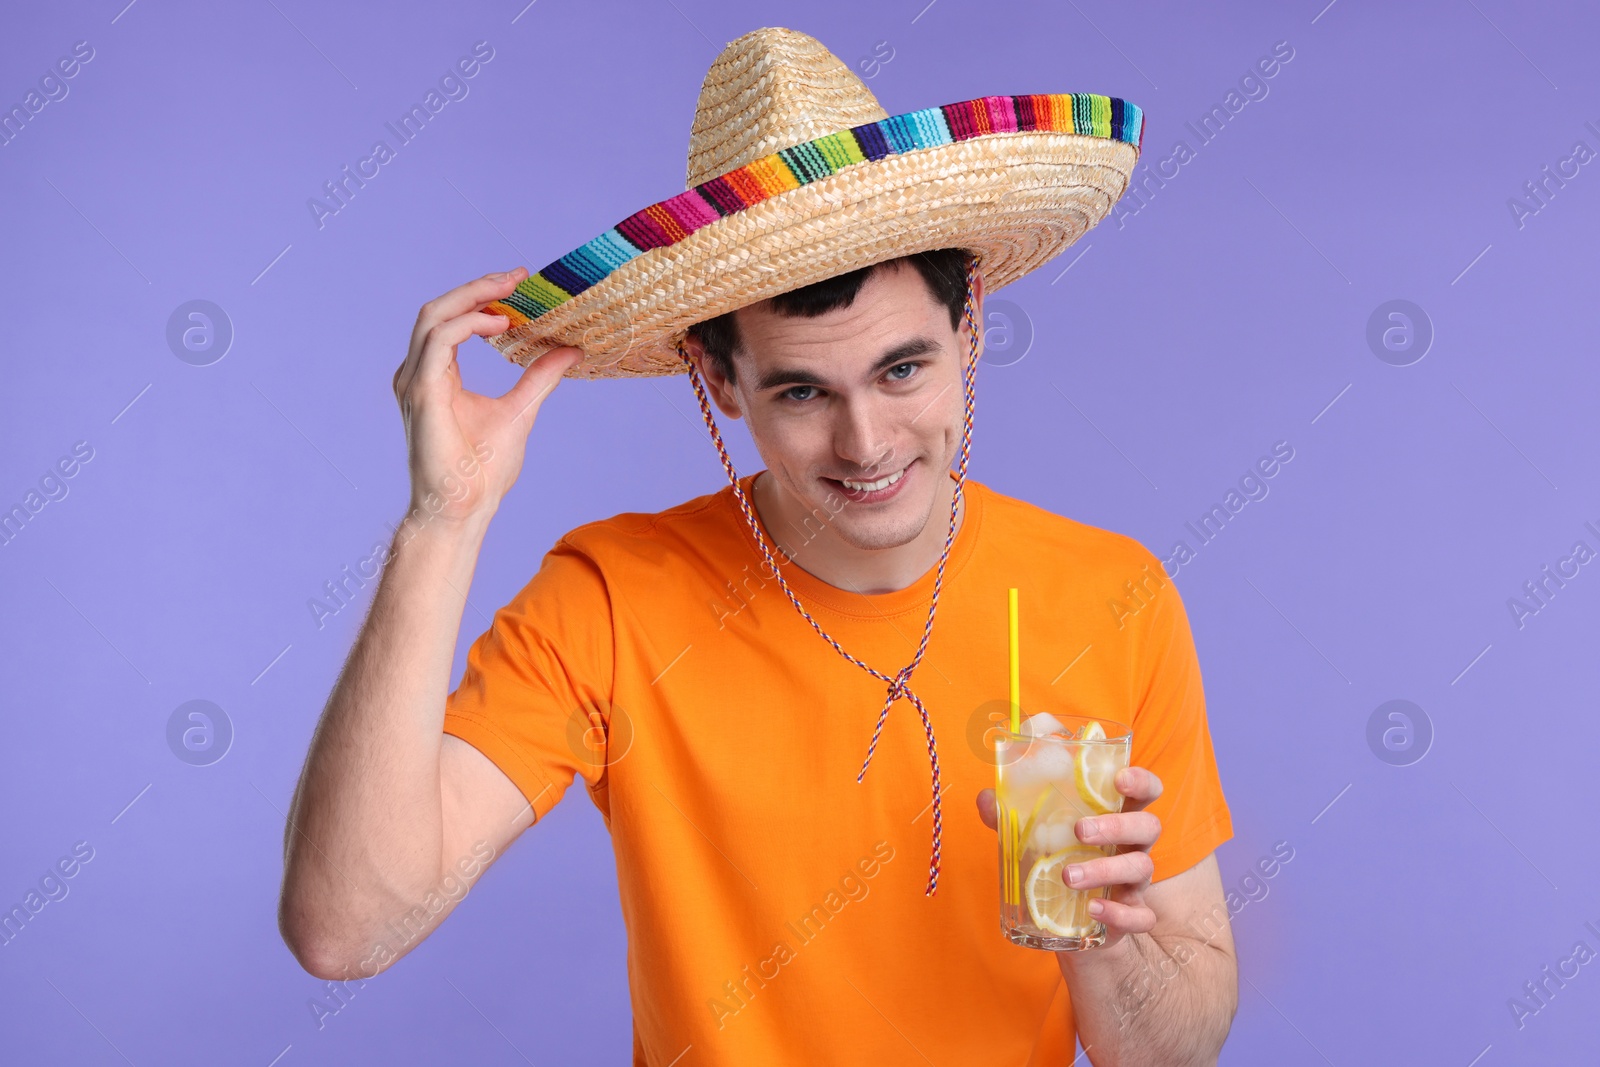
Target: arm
<point x="391" y="815"/>
<point x="1166" y="996"/>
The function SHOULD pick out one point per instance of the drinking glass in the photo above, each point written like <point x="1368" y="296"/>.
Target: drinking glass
<point x="1057" y="770"/>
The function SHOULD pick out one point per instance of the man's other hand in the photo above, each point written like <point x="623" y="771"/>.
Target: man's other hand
<point x="1131" y="831"/>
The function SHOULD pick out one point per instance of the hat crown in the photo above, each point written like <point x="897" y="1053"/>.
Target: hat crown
<point x="769" y="90"/>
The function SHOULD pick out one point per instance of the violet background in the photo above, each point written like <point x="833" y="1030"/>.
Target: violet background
<point x="1228" y="314"/>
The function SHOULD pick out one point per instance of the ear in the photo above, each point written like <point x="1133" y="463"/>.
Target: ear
<point x="718" y="388"/>
<point x="977" y="314"/>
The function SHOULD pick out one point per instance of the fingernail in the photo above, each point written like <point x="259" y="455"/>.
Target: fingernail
<point x="1087" y="827"/>
<point x="1096" y="908"/>
<point x="1074" y="873"/>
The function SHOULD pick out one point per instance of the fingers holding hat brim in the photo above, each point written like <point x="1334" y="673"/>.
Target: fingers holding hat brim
<point x="461" y="300"/>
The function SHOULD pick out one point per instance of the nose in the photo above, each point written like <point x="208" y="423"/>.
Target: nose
<point x="859" y="440"/>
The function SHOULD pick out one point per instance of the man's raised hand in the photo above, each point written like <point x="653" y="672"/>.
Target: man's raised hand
<point x="465" y="449"/>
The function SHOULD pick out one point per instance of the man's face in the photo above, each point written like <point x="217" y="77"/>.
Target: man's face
<point x="856" y="413"/>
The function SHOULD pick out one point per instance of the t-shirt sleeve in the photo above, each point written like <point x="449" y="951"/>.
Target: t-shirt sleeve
<point x="1171" y="738"/>
<point x="537" y="683"/>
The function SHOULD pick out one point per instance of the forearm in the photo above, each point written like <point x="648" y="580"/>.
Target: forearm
<point x="365" y="833"/>
<point x="1153" y="999"/>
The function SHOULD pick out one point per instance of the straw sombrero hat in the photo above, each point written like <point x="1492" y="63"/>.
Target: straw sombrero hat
<point x="795" y="175"/>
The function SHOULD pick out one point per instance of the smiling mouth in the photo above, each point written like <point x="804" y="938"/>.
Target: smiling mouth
<point x="857" y="488"/>
<point x="881" y="483"/>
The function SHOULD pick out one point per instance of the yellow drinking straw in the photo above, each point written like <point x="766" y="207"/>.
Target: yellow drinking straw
<point x="1016" y="670"/>
<point x="1011" y="837"/>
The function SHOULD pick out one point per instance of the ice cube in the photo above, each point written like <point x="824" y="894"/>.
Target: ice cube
<point x="1037" y="762"/>
<point x="1055" y="831"/>
<point x="1041" y="724"/>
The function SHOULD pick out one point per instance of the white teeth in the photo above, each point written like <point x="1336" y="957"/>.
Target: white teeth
<point x="868" y="487"/>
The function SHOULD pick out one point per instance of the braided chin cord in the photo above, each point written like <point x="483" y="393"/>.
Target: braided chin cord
<point x="899" y="685"/>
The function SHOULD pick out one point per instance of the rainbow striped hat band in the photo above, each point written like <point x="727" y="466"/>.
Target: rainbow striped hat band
<point x="1015" y="179"/>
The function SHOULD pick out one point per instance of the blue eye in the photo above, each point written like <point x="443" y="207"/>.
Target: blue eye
<point x="802" y="393"/>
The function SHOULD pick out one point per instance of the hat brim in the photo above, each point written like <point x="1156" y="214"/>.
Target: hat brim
<point x="1017" y="198"/>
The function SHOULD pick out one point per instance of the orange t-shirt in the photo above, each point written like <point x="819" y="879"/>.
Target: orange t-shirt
<point x="775" y="907"/>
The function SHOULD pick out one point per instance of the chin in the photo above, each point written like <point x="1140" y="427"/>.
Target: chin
<point x="878" y="539"/>
<point x="887" y="530"/>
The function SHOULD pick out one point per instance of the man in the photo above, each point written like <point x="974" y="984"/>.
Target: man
<point x="672" y="660"/>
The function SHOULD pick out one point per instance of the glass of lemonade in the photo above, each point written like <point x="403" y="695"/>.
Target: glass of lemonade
<point x="1057" y="770"/>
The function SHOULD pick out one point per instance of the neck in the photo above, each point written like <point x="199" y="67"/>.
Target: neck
<point x="827" y="556"/>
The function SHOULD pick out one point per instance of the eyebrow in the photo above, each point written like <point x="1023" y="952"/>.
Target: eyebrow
<point x="901" y="352"/>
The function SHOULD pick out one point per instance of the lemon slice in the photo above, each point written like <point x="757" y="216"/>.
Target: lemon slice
<point x="1054" y="906"/>
<point x="1095" y="768"/>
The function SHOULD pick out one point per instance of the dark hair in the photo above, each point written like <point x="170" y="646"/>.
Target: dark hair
<point x="943" y="270"/>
